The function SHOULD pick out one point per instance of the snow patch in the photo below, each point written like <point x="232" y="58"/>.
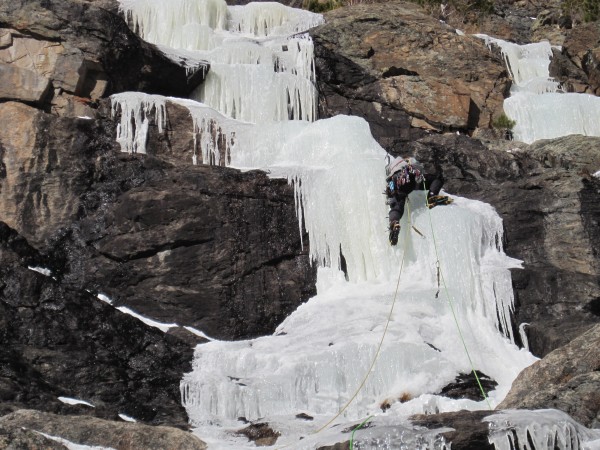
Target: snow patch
<point x="74" y="401"/>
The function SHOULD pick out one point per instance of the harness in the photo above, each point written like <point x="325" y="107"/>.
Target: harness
<point x="403" y="176"/>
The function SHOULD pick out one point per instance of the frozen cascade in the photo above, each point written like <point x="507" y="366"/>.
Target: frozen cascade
<point x="210" y="30"/>
<point x="318" y="356"/>
<point x="534" y="93"/>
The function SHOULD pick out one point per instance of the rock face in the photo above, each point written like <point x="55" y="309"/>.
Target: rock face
<point x="186" y="244"/>
<point x="219" y="250"/>
<point x="405" y="72"/>
<point x="91" y="431"/>
<point x="60" y="342"/>
<point x="567" y="379"/>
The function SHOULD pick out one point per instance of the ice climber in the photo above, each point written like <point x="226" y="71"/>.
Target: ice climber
<point x="404" y="175"/>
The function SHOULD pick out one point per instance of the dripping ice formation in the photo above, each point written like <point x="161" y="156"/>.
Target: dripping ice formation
<point x="534" y="93"/>
<point x="244" y="44"/>
<point x="318" y="356"/>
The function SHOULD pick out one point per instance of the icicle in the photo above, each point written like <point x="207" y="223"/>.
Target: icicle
<point x="537" y="430"/>
<point x="135" y="108"/>
<point x="271" y="18"/>
<point x="231" y="89"/>
<point x="523" y="336"/>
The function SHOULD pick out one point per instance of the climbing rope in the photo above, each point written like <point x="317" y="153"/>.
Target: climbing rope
<point x="356" y="429"/>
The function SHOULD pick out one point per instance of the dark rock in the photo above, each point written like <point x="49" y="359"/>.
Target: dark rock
<point x="91" y="431"/>
<point x="304" y="416"/>
<point x="466" y="385"/>
<point x="469" y="432"/>
<point x="582" y="47"/>
<point x="61" y="342"/>
<point x="570" y="77"/>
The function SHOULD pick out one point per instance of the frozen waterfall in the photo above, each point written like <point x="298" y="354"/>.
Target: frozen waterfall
<point x="257" y="110"/>
<point x="534" y="93"/>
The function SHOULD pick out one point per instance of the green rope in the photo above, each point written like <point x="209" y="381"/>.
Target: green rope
<point x="356" y="429"/>
<point x="451" y="304"/>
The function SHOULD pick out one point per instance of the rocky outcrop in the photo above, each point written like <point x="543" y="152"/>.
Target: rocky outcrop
<point x="568" y="379"/>
<point x="94" y="432"/>
<point x="79" y="52"/>
<point x="405" y="72"/>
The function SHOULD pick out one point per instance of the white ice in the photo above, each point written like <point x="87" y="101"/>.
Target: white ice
<point x="42" y="270"/>
<point x="71" y="445"/>
<point x="164" y="327"/>
<point x="127" y="418"/>
<point x="539" y="430"/>
<point x="199" y="333"/>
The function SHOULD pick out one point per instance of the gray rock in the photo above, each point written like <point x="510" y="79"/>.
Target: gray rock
<point x="567" y="379"/>
<point x="17" y="438"/>
<point x="23" y="85"/>
<point x="61" y="342"/>
<point x="92" y="431"/>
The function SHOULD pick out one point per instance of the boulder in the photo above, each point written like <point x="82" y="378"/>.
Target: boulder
<point x="568" y="379"/>
<point x="94" y="432"/>
<point x="22" y="85"/>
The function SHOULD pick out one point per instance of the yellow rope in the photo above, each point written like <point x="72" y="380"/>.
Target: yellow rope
<point x="387" y="323"/>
